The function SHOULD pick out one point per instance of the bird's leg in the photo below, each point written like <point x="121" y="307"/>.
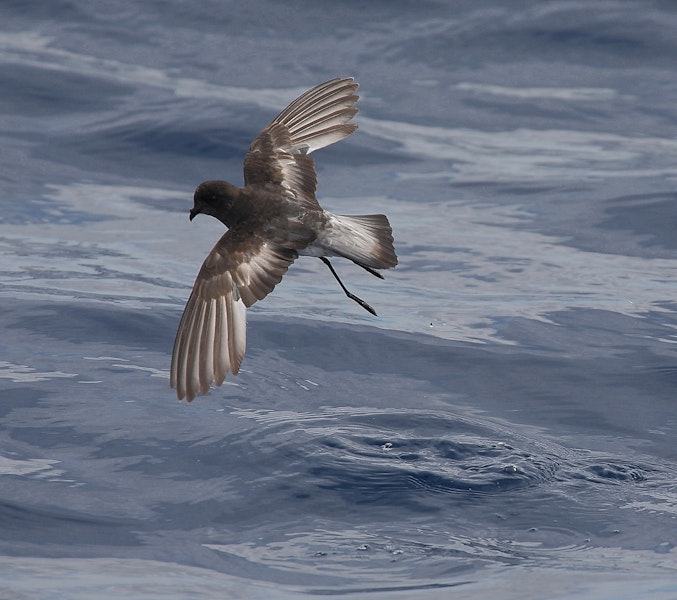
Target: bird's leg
<point x="361" y="302"/>
<point x="370" y="270"/>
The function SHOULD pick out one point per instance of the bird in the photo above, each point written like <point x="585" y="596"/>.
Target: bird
<point x="272" y="220"/>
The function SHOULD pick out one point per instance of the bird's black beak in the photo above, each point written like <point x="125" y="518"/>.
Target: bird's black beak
<point x="193" y="212"/>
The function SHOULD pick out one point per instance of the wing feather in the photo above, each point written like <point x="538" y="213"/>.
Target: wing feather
<point x="221" y="347"/>
<point x="211" y="340"/>
<point x="316" y="119"/>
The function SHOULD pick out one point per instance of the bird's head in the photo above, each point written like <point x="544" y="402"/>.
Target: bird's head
<point x="215" y="198"/>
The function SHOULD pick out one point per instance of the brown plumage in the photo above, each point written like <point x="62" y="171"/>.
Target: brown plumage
<point x="272" y="220"/>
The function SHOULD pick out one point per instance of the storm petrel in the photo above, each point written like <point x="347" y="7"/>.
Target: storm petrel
<point x="272" y="220"/>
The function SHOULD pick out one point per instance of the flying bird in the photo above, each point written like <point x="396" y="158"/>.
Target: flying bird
<point x="272" y="220"/>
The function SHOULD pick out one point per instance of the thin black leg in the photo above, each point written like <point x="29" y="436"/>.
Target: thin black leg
<point x="361" y="302"/>
<point x="365" y="267"/>
<point x="370" y="270"/>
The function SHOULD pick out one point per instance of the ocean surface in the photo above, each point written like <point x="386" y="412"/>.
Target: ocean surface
<point x="505" y="428"/>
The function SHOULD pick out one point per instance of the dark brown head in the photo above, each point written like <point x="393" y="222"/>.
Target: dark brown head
<point x="215" y="198"/>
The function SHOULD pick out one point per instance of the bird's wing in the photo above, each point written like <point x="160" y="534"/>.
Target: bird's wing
<point x="316" y="119"/>
<point x="241" y="269"/>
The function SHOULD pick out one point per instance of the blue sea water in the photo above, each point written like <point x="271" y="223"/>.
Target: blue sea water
<point x="504" y="429"/>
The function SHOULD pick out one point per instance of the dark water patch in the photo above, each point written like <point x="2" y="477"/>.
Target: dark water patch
<point x="537" y="113"/>
<point x="92" y="323"/>
<point x="44" y="530"/>
<point x="669" y="372"/>
<point x="563" y="31"/>
<point x="150" y="143"/>
<point x="147" y="136"/>
<point x="59" y="10"/>
<point x="617" y="473"/>
<point x="52" y="433"/>
<point x="651" y="217"/>
<point x="47" y="93"/>
<point x="610" y="221"/>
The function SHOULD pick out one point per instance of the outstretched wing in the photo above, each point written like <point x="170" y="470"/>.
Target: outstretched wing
<point x="241" y="269"/>
<point x="316" y="119"/>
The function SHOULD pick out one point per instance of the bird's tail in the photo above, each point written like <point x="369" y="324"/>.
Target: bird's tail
<point x="367" y="240"/>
